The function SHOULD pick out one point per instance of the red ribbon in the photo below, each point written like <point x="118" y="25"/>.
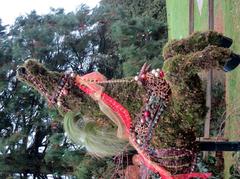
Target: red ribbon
<point x="117" y="107"/>
<point x="125" y="117"/>
<point x="191" y="175"/>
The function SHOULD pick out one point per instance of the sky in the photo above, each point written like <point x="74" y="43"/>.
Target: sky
<point x="11" y="9"/>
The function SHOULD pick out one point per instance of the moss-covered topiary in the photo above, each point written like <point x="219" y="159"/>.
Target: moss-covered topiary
<point x="182" y="121"/>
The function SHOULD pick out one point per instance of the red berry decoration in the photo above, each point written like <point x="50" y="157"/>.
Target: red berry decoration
<point x="65" y="92"/>
<point x="146" y="114"/>
<point x="143" y="120"/>
<point x="161" y="74"/>
<point x="143" y="76"/>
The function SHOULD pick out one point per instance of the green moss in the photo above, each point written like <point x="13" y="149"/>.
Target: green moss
<point x="196" y="42"/>
<point x="183" y="120"/>
<point x="182" y="65"/>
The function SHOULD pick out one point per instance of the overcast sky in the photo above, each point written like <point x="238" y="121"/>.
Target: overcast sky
<point x="10" y="9"/>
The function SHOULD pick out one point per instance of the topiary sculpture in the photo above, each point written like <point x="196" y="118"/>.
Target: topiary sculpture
<point x="159" y="112"/>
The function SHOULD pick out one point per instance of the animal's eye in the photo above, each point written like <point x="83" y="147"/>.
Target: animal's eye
<point x="22" y="71"/>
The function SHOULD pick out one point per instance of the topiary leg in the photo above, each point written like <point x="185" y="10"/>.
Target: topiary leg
<point x="188" y="65"/>
<point x="196" y="42"/>
<point x="182" y="74"/>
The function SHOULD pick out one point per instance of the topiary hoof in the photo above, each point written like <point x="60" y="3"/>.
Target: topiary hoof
<point x="225" y="42"/>
<point x="232" y="63"/>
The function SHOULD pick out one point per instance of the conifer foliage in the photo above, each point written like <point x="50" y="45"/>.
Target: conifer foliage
<point x="114" y="38"/>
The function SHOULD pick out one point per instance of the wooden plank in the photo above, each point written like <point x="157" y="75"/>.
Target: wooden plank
<point x="191" y="16"/>
<point x="209" y="78"/>
<point x="209" y="75"/>
<point x="211" y="139"/>
<point x="178" y="18"/>
<point x="208" y="104"/>
<point x="211" y="14"/>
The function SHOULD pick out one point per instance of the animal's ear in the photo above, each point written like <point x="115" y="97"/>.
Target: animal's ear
<point x="232" y="63"/>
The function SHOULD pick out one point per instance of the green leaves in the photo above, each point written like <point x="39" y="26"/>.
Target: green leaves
<point x="140" y="39"/>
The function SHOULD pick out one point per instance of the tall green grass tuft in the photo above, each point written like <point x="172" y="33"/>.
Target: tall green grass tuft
<point x="97" y="141"/>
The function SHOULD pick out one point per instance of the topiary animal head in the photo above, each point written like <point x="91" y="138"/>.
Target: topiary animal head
<point x="57" y="88"/>
<point x="38" y="77"/>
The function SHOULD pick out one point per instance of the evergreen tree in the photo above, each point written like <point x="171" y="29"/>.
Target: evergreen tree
<point x="32" y="139"/>
<point x="135" y="8"/>
<point x="140" y="40"/>
<point x="112" y="38"/>
<point x="139" y="28"/>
